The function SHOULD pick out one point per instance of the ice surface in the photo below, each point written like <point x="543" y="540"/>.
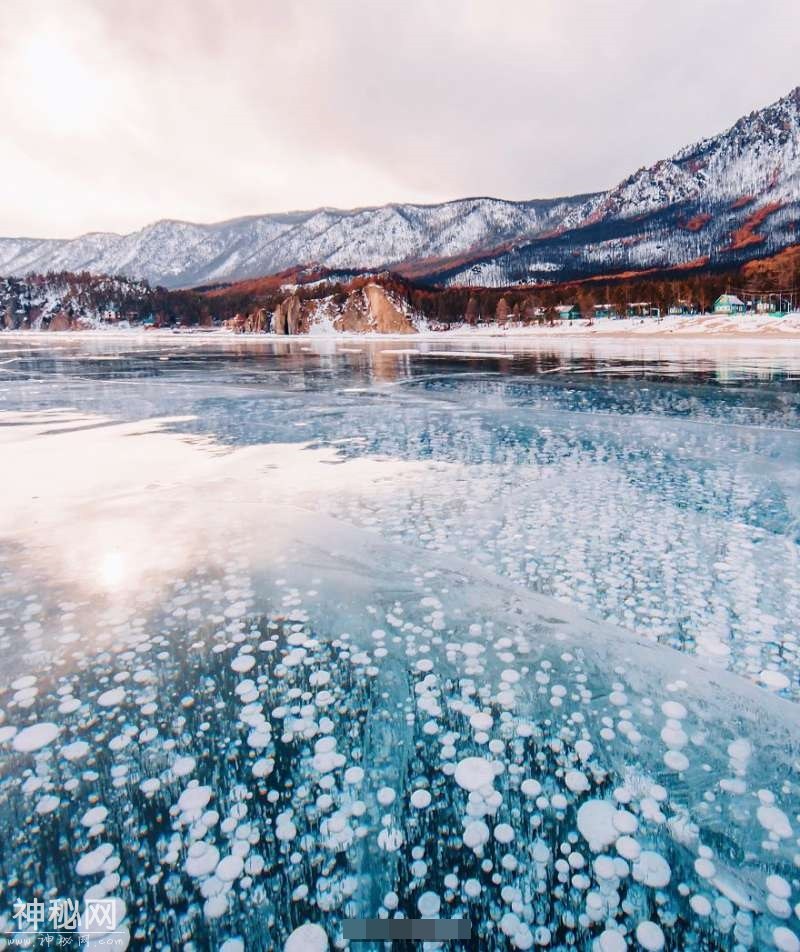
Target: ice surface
<point x="292" y="637"/>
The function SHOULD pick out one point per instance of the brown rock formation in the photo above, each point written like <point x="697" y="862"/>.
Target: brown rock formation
<point x="389" y="319"/>
<point x="371" y="309"/>
<point x="279" y="320"/>
<point x="366" y="309"/>
<point x="60" y="322"/>
<point x="291" y="316"/>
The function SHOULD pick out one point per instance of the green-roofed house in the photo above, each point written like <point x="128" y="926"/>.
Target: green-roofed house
<point x="729" y="304"/>
<point x="568" y="312"/>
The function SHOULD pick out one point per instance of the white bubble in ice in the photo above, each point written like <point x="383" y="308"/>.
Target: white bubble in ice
<point x="700" y="905"/>
<point x="112" y="697"/>
<point x="503" y="833"/>
<point x="774" y="680"/>
<point x="531" y="788"/>
<point x="774" y="820"/>
<point x="740" y="749"/>
<point x="576" y="781"/>
<point x="481" y="721"/>
<point x="596" y="824"/>
<point x="650" y="936"/>
<point x="183" y="766"/>
<point x="611" y="941"/>
<point x="232" y="945"/>
<point x="215" y="906"/>
<point x="704" y="868"/>
<point x="625" y="822"/>
<point x="202" y="859"/>
<point x="785" y="939"/>
<point x="94" y="815"/>
<point x="472" y="888"/>
<point x="391" y="900"/>
<point x="75" y="751"/>
<point x="386" y="796"/>
<point x="429" y="904"/>
<point x="604" y="867"/>
<point x="285" y="829"/>
<point x="47" y="804"/>
<point x="390" y="840"/>
<point x="476" y="833"/>
<point x="263" y="767"/>
<point x="420" y="799"/>
<point x="35" y="737"/>
<point x="91" y="863"/>
<point x="473" y="773"/>
<point x="584" y="749"/>
<point x="651" y="869"/>
<point x="307" y="938"/>
<point x="676" y="760"/>
<point x="194" y="798"/>
<point x="354" y="775"/>
<point x="229" y="868"/>
<point x="778" y="886"/>
<point x="628" y="848"/>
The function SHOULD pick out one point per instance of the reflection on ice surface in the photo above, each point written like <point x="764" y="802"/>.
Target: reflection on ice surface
<point x="289" y="639"/>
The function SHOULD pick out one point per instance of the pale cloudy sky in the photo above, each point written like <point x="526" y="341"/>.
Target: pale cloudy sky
<point x="118" y="112"/>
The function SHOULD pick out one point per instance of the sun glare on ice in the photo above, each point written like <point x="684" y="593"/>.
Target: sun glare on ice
<point x="112" y="569"/>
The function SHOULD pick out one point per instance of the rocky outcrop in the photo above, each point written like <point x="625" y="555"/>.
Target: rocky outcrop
<point x="291" y="316"/>
<point x="61" y="322"/>
<point x="368" y="309"/>
<point x="372" y="309"/>
<point x="253" y="323"/>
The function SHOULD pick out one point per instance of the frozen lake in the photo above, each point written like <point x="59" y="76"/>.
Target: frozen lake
<point x="294" y="632"/>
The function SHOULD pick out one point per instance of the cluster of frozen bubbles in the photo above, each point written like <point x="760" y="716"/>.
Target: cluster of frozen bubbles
<point x="681" y="531"/>
<point x="249" y="778"/>
<point x="242" y="764"/>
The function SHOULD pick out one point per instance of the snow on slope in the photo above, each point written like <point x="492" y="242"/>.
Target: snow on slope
<point x="756" y="162"/>
<point x="177" y="253"/>
<point x="63" y="301"/>
<point x="720" y="201"/>
<point x="759" y="154"/>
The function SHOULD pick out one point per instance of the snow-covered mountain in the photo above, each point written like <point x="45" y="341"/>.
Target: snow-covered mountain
<point x="728" y="197"/>
<point x="63" y="301"/>
<point x="181" y="254"/>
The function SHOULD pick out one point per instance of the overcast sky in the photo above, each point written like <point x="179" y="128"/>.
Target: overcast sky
<point x="115" y="113"/>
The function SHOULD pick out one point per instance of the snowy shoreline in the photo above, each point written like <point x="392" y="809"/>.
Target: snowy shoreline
<point x="720" y="327"/>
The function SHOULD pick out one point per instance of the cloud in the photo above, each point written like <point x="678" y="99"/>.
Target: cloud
<point x="118" y="113"/>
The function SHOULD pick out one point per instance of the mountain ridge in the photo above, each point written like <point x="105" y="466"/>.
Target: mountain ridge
<point x="720" y="184"/>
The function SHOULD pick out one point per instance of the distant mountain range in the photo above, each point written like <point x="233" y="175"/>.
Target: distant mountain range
<point x="722" y="201"/>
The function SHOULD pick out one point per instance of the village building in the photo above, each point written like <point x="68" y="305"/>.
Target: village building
<point x="771" y="302"/>
<point x="643" y="309"/>
<point x="568" y="312"/>
<point x="605" y="310"/>
<point x="682" y="307"/>
<point x="729" y="304"/>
